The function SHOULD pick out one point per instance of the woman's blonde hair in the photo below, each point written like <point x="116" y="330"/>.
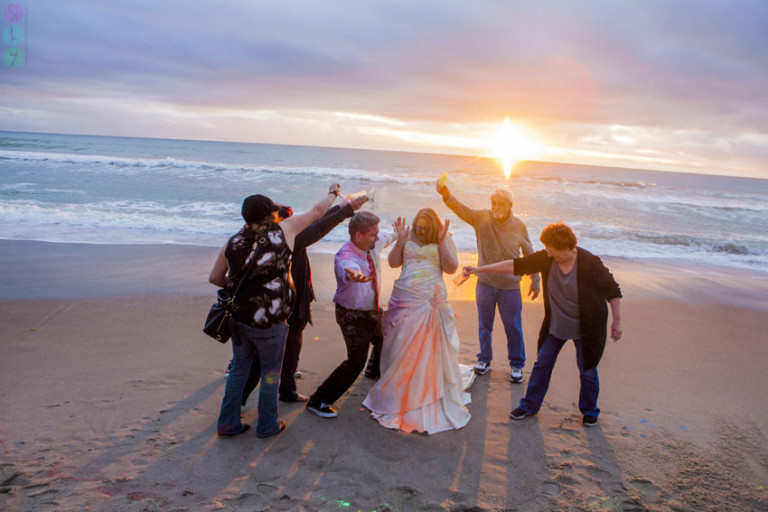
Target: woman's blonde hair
<point x="433" y="223"/>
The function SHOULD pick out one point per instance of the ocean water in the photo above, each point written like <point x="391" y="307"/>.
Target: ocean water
<point x="90" y="189"/>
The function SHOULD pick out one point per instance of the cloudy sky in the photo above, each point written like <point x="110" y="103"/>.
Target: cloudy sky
<point x="656" y="84"/>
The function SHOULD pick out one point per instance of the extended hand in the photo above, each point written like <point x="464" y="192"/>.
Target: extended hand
<point x="534" y="292"/>
<point x="468" y="270"/>
<point x="616" y="330"/>
<point x="357" y="202"/>
<point x="358" y="276"/>
<point x="334" y="189"/>
<point x="402" y="229"/>
<point x="443" y="230"/>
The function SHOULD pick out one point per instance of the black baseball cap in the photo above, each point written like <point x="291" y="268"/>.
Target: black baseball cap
<point x="257" y="207"/>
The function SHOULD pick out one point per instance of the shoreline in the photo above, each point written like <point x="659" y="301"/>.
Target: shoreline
<point x="110" y="394"/>
<point x="33" y="269"/>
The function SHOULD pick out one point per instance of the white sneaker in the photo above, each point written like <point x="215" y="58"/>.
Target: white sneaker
<point x="482" y="367"/>
<point x="516" y="375"/>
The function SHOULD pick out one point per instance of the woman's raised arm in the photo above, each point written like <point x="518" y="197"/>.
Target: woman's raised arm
<point x="293" y="225"/>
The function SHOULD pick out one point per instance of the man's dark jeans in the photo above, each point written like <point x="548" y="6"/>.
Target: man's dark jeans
<point x="360" y="329"/>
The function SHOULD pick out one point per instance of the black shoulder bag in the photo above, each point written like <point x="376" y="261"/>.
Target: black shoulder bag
<point x="218" y="323"/>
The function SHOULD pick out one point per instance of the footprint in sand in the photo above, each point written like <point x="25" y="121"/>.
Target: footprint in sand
<point x="15" y="479"/>
<point x="143" y="383"/>
<point x="550" y="489"/>
<point x="597" y="472"/>
<point x="408" y="497"/>
<point x="266" y="488"/>
<point x="42" y="493"/>
<point x="646" y="487"/>
<point x="567" y="480"/>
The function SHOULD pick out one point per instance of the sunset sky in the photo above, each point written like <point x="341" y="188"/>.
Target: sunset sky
<point x="656" y="84"/>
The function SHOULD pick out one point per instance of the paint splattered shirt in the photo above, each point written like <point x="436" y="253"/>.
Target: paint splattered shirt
<point x="265" y="298"/>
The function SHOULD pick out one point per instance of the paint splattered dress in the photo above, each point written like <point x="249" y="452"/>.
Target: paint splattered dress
<point x="422" y="386"/>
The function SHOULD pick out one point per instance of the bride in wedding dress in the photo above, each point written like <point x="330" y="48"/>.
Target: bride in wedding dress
<point x="422" y="386"/>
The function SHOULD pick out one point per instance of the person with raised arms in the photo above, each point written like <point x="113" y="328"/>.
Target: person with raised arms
<point x="577" y="289"/>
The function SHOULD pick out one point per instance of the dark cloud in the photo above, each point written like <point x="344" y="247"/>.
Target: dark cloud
<point x="686" y="64"/>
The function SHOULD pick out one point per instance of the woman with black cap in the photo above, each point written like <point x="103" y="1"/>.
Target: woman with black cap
<point x="263" y="303"/>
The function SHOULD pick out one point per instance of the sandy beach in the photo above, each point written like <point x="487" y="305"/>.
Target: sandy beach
<point x="109" y="394"/>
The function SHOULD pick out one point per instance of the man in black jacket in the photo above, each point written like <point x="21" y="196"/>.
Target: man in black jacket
<point x="577" y="287"/>
<point x="301" y="275"/>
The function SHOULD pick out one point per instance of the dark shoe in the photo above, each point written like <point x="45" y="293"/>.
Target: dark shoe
<point x="282" y="427"/>
<point x="372" y="370"/>
<point x="322" y="410"/>
<point x="299" y="398"/>
<point x="589" y="421"/>
<point x="518" y="414"/>
<point x="246" y="428"/>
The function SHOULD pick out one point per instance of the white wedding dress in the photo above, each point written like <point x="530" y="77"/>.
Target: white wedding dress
<point x="422" y="386"/>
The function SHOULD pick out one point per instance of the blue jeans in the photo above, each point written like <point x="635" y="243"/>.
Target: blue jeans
<point x="510" y="309"/>
<point x="266" y="344"/>
<point x="287" y="389"/>
<point x="542" y="372"/>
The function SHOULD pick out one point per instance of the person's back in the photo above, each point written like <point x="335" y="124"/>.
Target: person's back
<point x="265" y="296"/>
<point x="262" y="304"/>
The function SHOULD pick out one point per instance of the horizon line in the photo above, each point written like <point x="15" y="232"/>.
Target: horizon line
<point x="448" y="154"/>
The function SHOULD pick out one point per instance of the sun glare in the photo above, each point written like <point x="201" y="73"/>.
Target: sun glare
<point x="510" y="144"/>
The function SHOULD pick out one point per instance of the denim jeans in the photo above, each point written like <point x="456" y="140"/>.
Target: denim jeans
<point x="266" y="344"/>
<point x="287" y="390"/>
<point x="542" y="372"/>
<point x="510" y="309"/>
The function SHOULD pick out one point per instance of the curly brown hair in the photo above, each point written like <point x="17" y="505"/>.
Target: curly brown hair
<point x="558" y="236"/>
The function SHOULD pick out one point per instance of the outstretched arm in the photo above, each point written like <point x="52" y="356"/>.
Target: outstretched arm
<point x="403" y="231"/>
<point x="294" y="225"/>
<point x="332" y="218"/>
<point x="502" y="267"/>
<point x="466" y="214"/>
<point x="449" y="259"/>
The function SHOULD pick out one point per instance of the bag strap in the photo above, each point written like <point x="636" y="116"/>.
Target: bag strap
<point x="260" y="243"/>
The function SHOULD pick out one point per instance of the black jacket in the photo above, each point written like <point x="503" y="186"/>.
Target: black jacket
<point x="596" y="287"/>
<point x="301" y="273"/>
